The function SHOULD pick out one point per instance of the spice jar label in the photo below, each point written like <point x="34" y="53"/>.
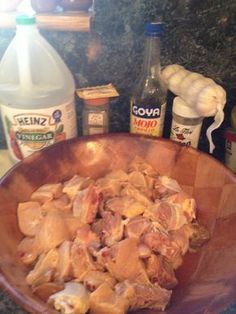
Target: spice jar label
<point x="185" y="134"/>
<point x="230" y="155"/>
<point x="96" y="119"/>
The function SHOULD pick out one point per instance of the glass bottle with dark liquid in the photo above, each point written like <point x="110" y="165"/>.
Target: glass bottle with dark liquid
<point x="147" y="107"/>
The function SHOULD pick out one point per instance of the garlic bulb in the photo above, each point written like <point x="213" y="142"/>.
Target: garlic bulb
<point x="198" y="91"/>
<point x="201" y="93"/>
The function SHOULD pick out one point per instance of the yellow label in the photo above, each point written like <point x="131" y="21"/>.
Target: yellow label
<point x="147" y="120"/>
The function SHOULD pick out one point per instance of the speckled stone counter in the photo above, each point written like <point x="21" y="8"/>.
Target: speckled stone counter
<point x="198" y="34"/>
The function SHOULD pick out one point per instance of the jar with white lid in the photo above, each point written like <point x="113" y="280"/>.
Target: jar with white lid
<point x="186" y="123"/>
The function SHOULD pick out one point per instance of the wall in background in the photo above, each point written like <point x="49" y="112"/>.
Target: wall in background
<point x="198" y="34"/>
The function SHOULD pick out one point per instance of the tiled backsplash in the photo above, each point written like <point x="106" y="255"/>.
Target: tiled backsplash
<point x="198" y="34"/>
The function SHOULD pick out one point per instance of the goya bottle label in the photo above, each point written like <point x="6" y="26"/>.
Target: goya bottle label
<point x="29" y="130"/>
<point x="147" y="119"/>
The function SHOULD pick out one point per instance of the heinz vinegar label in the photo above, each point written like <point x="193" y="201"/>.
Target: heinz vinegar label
<point x="29" y="130"/>
<point x="147" y="119"/>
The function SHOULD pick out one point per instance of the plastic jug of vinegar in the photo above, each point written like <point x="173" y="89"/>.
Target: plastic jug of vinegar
<point x="37" y="93"/>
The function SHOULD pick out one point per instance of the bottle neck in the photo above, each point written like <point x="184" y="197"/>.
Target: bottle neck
<point x="151" y="65"/>
<point x="26" y="28"/>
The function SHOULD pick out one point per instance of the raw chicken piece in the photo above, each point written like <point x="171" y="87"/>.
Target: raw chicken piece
<point x="112" y="183"/>
<point x="113" y="228"/>
<point x="44" y="290"/>
<point x="87" y="237"/>
<point x="29" y="216"/>
<point x="186" y="204"/>
<point x="64" y="269"/>
<point x="134" y="193"/>
<point x="73" y="224"/>
<point x="44" y="269"/>
<point x="47" y="192"/>
<point x="105" y="301"/>
<point x="144" y="250"/>
<point x="98" y="226"/>
<point x="74" y="299"/>
<point x="75" y="184"/>
<point x="123" y="262"/>
<point x="82" y="261"/>
<point x="137" y="179"/>
<point x="109" y="188"/>
<point x="142" y="182"/>
<point x="126" y="206"/>
<point x="26" y="250"/>
<point x="93" y="279"/>
<point x="63" y="203"/>
<point x="168" y="215"/>
<point x="139" y="164"/>
<point x="136" y="227"/>
<point x="181" y="238"/>
<point x="160" y="271"/>
<point x="85" y="205"/>
<point x="118" y="175"/>
<point x="165" y="186"/>
<point x="52" y="232"/>
<point x="143" y="296"/>
<point x="161" y="243"/>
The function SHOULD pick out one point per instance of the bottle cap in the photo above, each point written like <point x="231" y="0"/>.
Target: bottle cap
<point x="23" y="19"/>
<point x="96" y="101"/>
<point x="181" y="108"/>
<point x="154" y="29"/>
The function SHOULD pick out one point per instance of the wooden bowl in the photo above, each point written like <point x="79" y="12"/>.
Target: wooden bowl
<point x="207" y="278"/>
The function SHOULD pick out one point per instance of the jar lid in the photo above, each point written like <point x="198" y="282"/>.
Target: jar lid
<point x="181" y="108"/>
<point x="154" y="29"/>
<point x="96" y="101"/>
<point x="230" y="135"/>
<point x="23" y="19"/>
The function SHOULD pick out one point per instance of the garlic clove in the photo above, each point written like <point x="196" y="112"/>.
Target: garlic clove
<point x="176" y="79"/>
<point x="188" y="81"/>
<point x="193" y="91"/>
<point x="207" y="100"/>
<point x="170" y="70"/>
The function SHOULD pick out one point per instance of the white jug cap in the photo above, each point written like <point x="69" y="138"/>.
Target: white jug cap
<point x="181" y="108"/>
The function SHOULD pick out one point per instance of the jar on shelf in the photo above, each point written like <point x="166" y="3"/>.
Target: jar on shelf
<point x="95" y="116"/>
<point x="42" y="6"/>
<point x="7" y="6"/>
<point x="76" y="5"/>
<point x="186" y="123"/>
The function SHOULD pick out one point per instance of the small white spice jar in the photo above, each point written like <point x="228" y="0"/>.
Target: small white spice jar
<point x="186" y="123"/>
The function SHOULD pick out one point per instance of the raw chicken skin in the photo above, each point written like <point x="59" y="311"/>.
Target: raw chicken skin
<point x="86" y="203"/>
